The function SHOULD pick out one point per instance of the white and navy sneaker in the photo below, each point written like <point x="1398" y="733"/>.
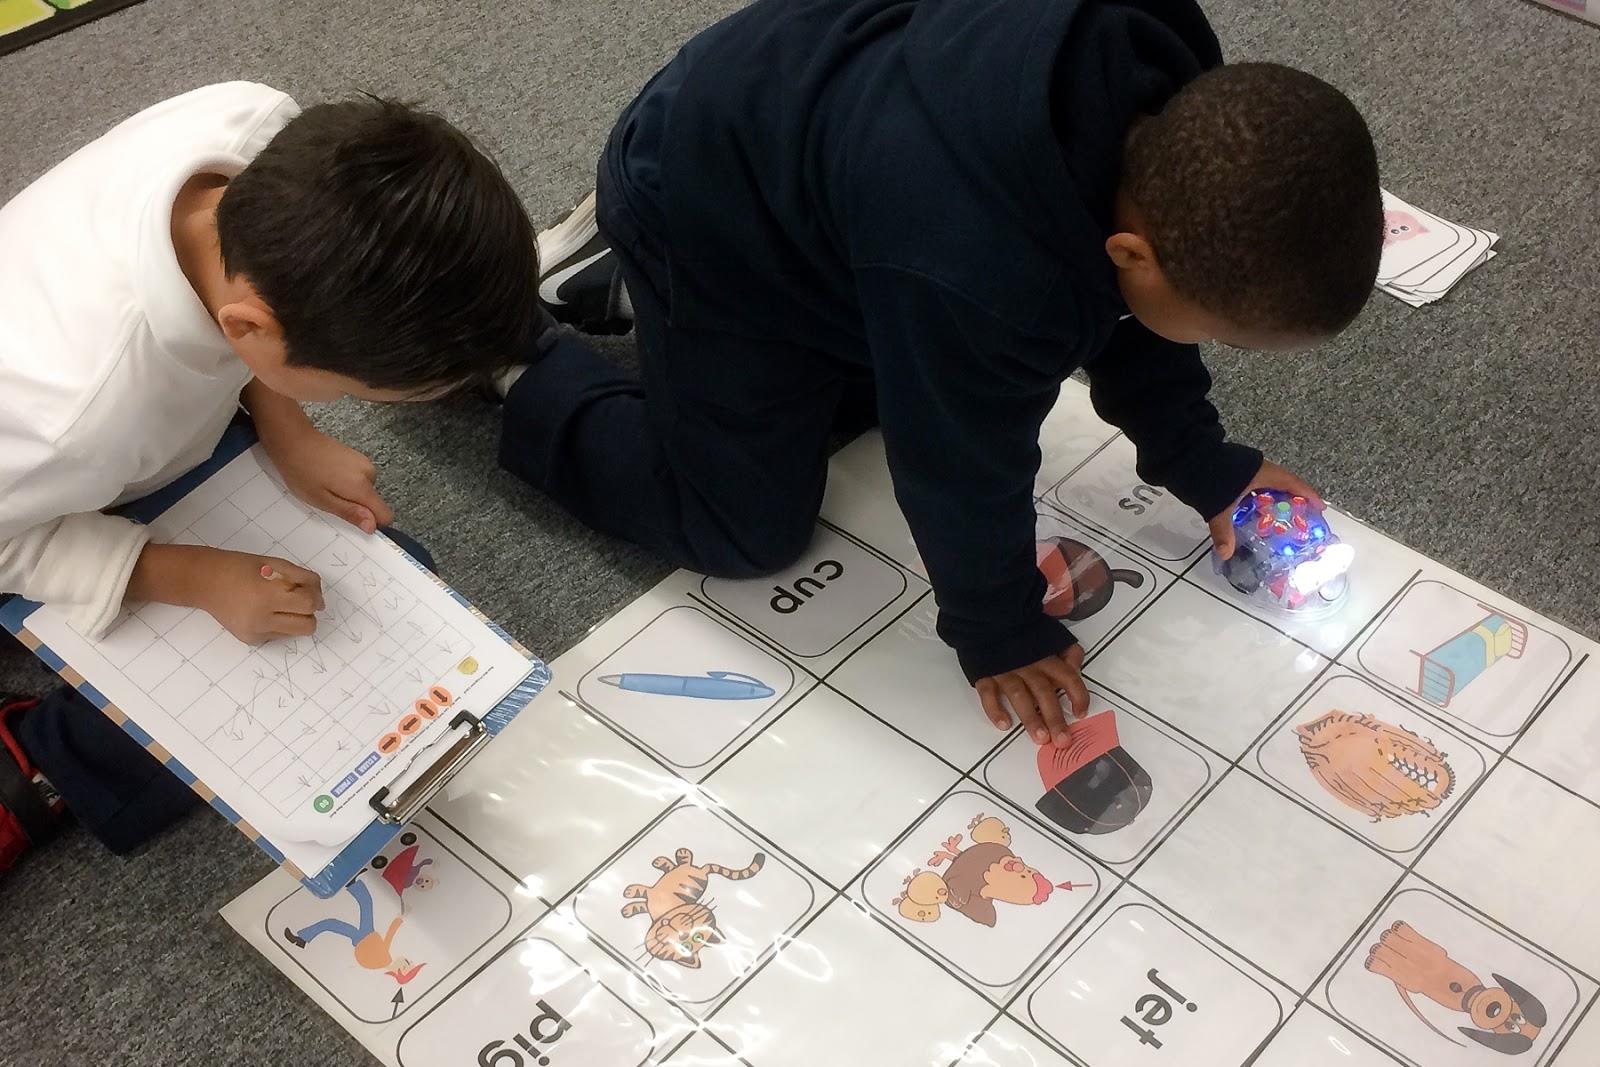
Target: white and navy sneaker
<point x="580" y="280"/>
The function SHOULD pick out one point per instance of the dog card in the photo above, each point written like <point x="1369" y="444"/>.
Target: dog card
<point x="1437" y="986"/>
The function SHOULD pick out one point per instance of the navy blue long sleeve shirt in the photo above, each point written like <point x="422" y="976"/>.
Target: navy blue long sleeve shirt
<point x="925" y="187"/>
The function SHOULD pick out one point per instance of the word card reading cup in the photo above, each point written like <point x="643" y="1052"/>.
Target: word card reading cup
<point x="812" y="607"/>
<point x="1141" y="990"/>
<point x="532" y="1006"/>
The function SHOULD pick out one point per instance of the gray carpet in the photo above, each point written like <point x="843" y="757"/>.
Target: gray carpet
<point x="1468" y="429"/>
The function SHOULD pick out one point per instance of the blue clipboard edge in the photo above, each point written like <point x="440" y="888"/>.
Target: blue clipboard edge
<point x="240" y="435"/>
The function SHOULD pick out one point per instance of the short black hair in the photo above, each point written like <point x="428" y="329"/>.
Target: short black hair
<point x="1259" y="187"/>
<point x="388" y="246"/>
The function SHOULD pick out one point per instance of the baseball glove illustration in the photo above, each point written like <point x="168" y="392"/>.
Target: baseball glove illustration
<point x="1379" y="770"/>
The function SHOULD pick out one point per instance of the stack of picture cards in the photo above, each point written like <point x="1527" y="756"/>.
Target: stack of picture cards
<point x="1424" y="255"/>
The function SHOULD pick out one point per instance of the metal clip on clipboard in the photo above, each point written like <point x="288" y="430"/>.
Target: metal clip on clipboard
<point x="415" y="794"/>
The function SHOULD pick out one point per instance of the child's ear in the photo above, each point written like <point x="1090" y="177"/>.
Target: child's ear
<point x="1129" y="251"/>
<point x="246" y="320"/>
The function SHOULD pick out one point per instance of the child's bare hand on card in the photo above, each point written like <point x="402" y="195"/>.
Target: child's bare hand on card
<point x="1035" y="694"/>
<point x="255" y="598"/>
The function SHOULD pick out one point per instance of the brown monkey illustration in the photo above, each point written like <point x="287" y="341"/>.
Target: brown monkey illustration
<point x="980" y="875"/>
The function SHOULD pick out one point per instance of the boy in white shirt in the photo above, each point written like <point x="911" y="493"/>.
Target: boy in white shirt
<point x="218" y="249"/>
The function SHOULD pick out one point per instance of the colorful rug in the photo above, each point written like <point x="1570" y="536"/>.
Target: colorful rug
<point x="23" y="22"/>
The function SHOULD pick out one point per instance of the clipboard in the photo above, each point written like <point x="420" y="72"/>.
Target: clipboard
<point x="394" y="805"/>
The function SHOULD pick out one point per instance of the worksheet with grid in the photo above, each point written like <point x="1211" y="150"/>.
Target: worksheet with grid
<point x="765" y="823"/>
<point x="296" y="733"/>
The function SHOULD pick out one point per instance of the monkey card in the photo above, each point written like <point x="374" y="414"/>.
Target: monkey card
<point x="981" y="888"/>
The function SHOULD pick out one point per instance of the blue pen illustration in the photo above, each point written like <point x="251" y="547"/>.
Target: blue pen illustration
<point x="713" y="685"/>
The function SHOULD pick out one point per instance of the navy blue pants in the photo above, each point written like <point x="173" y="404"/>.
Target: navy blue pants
<point x="111" y="785"/>
<point x="715" y="456"/>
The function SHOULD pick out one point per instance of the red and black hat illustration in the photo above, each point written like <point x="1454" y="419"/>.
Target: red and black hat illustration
<point x="1091" y="784"/>
<point x="1080" y="581"/>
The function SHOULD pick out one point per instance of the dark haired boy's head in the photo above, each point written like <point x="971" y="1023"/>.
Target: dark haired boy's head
<point x="388" y="257"/>
<point x="1249" y="211"/>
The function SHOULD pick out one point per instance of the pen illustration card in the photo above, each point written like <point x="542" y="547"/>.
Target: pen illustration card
<point x="686" y="686"/>
<point x="296" y="734"/>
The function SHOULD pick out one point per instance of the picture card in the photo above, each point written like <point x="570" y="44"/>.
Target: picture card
<point x="401" y="928"/>
<point x="981" y="889"/>
<point x="1371" y="762"/>
<point x="1435" y="985"/>
<point x="1478" y="661"/>
<point x="687" y="686"/>
<point x="1117" y="784"/>
<point x="1092" y="585"/>
<point x="694" y="904"/>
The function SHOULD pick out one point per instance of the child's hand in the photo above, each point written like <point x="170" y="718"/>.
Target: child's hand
<point x="1270" y="476"/>
<point x="231" y="588"/>
<point x="332" y="477"/>
<point x="254" y="608"/>
<point x="1033" y="692"/>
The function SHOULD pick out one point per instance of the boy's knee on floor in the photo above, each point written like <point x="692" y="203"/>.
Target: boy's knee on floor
<point x="768" y="553"/>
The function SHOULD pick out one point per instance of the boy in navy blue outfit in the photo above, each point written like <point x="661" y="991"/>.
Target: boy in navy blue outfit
<point x="953" y="204"/>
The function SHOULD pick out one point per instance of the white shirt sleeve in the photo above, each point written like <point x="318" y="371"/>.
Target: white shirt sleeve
<point x="55" y="546"/>
<point x="80" y="563"/>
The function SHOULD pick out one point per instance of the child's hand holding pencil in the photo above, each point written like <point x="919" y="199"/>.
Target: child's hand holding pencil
<point x="255" y="598"/>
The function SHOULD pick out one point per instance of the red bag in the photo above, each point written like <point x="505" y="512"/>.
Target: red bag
<point x="29" y="808"/>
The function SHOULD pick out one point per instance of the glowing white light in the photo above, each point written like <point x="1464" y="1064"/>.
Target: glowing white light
<point x="1314" y="574"/>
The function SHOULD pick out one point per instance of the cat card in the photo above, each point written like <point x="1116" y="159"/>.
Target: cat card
<point x="694" y="904"/>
